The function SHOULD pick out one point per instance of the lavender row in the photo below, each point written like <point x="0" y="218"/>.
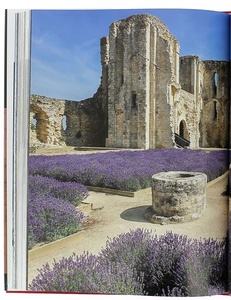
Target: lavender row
<point x="140" y="263"/>
<point x="51" y="209"/>
<point x="73" y="192"/>
<point x="128" y="170"/>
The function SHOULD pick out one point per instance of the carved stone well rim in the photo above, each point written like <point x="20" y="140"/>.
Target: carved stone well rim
<point x="173" y="175"/>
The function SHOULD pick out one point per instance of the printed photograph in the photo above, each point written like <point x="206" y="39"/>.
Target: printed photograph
<point x="129" y="142"/>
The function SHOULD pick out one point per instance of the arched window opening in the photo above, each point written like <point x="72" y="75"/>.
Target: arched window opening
<point x="134" y="100"/>
<point x="64" y="122"/>
<point x="215" y="112"/>
<point x="34" y="123"/>
<point x="122" y="79"/>
<point x="215" y="84"/>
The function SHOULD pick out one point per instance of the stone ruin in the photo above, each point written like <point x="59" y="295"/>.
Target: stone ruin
<point x="149" y="96"/>
<point x="177" y="197"/>
<point x="61" y="122"/>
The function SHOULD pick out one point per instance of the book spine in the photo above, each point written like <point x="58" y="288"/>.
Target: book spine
<point x="18" y="26"/>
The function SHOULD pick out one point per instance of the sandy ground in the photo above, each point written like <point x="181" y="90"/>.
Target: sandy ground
<point x="74" y="150"/>
<point x="109" y="215"/>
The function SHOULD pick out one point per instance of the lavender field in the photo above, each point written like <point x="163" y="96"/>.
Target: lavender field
<point x="127" y="170"/>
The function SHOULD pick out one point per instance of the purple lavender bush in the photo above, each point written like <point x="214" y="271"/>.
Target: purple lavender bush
<point x="71" y="191"/>
<point x="51" y="209"/>
<point x="50" y="219"/>
<point x="128" y="170"/>
<point x="139" y="262"/>
<point x="86" y="274"/>
<point x="197" y="268"/>
<point x="130" y="248"/>
<point x="170" y="263"/>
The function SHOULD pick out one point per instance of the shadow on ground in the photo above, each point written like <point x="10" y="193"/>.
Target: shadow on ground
<point x="135" y="214"/>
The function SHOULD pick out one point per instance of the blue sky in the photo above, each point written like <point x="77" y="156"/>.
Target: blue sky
<point x="65" y="56"/>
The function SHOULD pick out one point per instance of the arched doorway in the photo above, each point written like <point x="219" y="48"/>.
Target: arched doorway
<point x="182" y="128"/>
<point x="183" y="131"/>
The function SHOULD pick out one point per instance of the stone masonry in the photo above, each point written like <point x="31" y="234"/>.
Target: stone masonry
<point x="147" y="94"/>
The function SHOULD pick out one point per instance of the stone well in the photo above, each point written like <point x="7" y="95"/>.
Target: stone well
<point x="177" y="197"/>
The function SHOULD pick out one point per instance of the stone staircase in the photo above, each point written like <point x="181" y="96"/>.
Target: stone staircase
<point x="181" y="142"/>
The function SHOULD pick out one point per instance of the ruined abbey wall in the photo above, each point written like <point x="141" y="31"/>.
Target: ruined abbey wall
<point x="147" y="94"/>
<point x="215" y="118"/>
<point x="61" y="122"/>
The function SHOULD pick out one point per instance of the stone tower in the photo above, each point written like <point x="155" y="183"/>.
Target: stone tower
<point x="140" y="62"/>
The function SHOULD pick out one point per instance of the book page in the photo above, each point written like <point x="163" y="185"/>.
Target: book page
<point x="137" y="86"/>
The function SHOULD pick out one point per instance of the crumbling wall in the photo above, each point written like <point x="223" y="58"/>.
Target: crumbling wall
<point x="56" y="122"/>
<point x="46" y="121"/>
<point x="85" y="122"/>
<point x="187" y="71"/>
<point x="216" y="105"/>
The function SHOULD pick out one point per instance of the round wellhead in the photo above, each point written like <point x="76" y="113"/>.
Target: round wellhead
<point x="177" y="197"/>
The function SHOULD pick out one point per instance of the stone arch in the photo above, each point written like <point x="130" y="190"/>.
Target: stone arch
<point x="39" y="123"/>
